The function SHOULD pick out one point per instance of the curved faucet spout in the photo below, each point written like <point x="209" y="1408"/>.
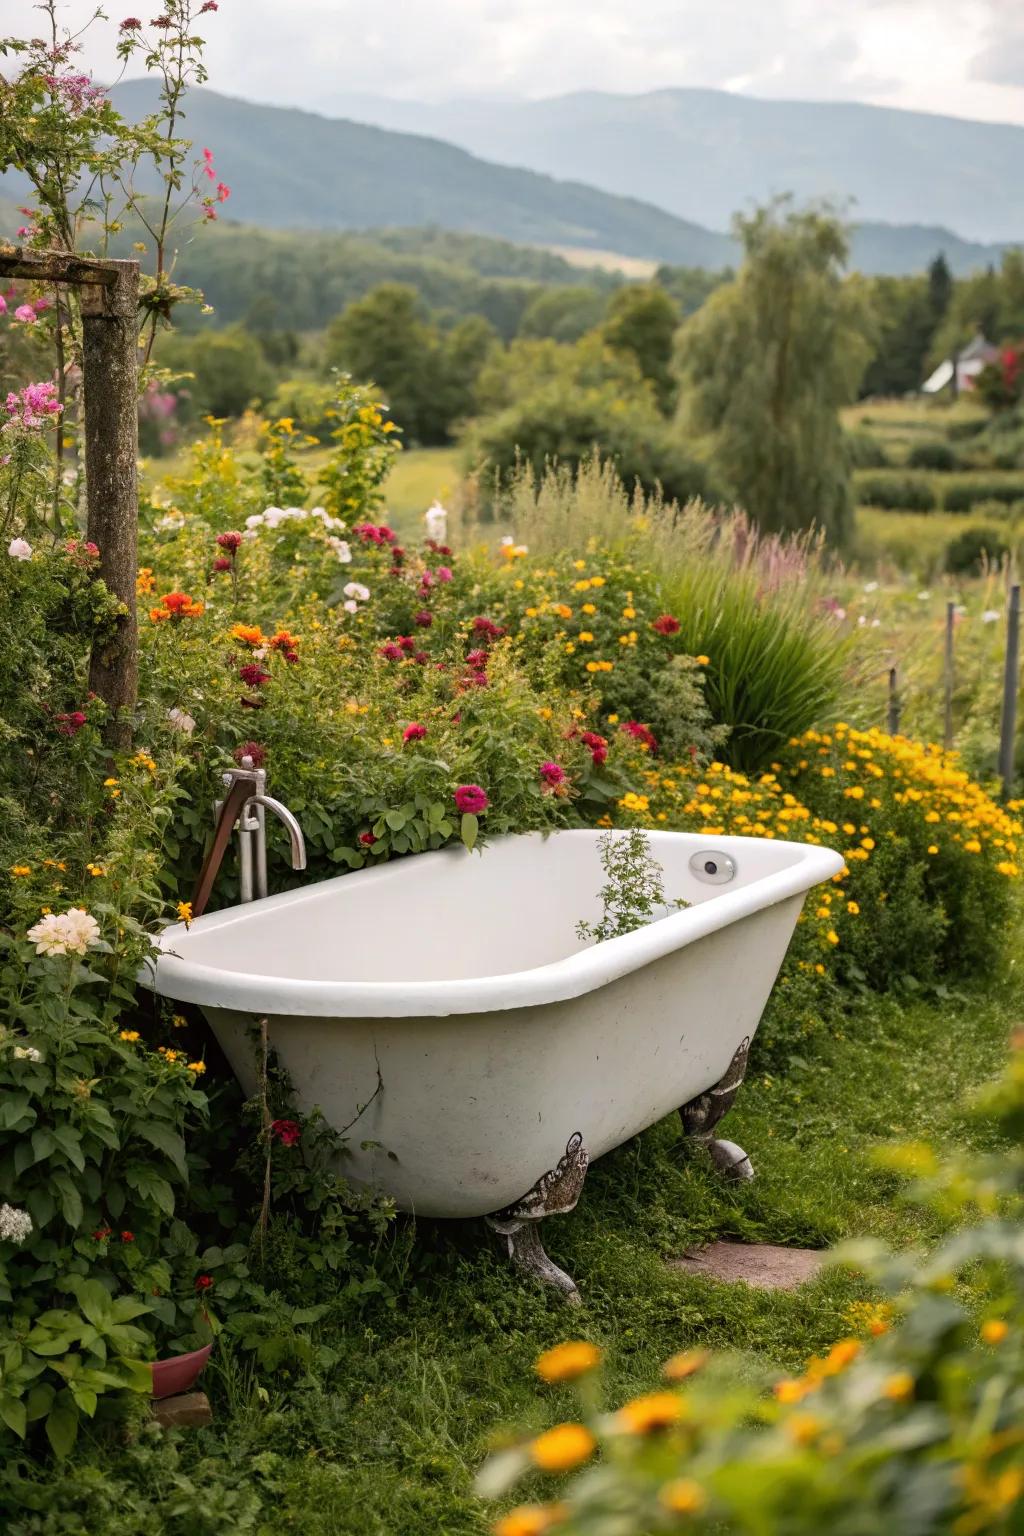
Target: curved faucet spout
<point x="284" y="815"/>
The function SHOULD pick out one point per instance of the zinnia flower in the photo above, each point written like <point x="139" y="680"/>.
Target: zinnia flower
<point x="222" y="564"/>
<point x="641" y="733"/>
<point x="367" y="839"/>
<point x="414" y="732"/>
<point x="666" y="625"/>
<point x="252" y="750"/>
<point x="253" y="675"/>
<point x="553" y="776"/>
<point x="287" y="1132"/>
<point x="470" y="799"/>
<point x="65" y="933"/>
<point x="562" y="1448"/>
<point x="229" y="541"/>
<point x="567" y="1361"/>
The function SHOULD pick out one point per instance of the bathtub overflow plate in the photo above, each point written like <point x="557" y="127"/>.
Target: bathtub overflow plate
<point x="713" y="867"/>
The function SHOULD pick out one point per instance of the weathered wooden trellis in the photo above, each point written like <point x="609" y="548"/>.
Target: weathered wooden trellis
<point x="109" y="299"/>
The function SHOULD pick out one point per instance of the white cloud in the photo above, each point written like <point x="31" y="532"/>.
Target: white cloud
<point x="964" y="57"/>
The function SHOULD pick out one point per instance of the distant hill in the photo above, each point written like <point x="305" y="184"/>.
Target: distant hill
<point x="292" y="170"/>
<point x="703" y="154"/>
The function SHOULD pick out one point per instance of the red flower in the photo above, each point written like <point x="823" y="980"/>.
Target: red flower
<point x="414" y="732"/>
<point x="421" y="657"/>
<point x="253" y="675"/>
<point x="253" y="750"/>
<point x="470" y="799"/>
<point x="552" y="775"/>
<point x="222" y="564"/>
<point x="424" y="618"/>
<point x="130" y="24"/>
<point x="391" y="651"/>
<point x="203" y="1282"/>
<point x="406" y="642"/>
<point x="666" y="625"/>
<point x="367" y="839"/>
<point x="598" y="747"/>
<point x="101" y="1234"/>
<point x="477" y="660"/>
<point x="71" y="724"/>
<point x="175" y="602"/>
<point x="286" y="1131"/>
<point x="230" y="541"/>
<point x="641" y="733"/>
<point x="487" y="628"/>
<point x="127" y="1237"/>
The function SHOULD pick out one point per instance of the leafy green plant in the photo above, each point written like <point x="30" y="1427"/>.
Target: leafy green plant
<point x="897" y="492"/>
<point x="633" y="894"/>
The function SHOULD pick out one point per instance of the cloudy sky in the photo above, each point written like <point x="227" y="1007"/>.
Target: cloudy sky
<point x="963" y="57"/>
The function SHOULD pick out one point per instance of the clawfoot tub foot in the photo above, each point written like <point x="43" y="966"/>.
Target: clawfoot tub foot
<point x="703" y="1113"/>
<point x="517" y="1227"/>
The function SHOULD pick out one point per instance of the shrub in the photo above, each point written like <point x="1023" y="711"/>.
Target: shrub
<point x="865" y="451"/>
<point x="966" y="494"/>
<point x="879" y="1433"/>
<point x="936" y="456"/>
<point x="972" y="550"/>
<point x="895" y="493"/>
<point x="754" y="605"/>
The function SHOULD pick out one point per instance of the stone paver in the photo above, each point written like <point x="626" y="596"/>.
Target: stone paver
<point x="764" y="1265"/>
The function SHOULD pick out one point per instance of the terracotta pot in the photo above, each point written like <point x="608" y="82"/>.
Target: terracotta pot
<point x="180" y="1373"/>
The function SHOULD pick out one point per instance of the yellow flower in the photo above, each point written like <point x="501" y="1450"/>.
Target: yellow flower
<point x="563" y="611"/>
<point x="683" y="1496"/>
<point x="933" y="849"/>
<point x="561" y="1448"/>
<point x="994" y="1331"/>
<point x="579" y="565"/>
<point x="832" y="936"/>
<point x="185" y="912"/>
<point x="198" y="1067"/>
<point x="567" y="1361"/>
<point x="530" y="1520"/>
<point x="1008" y="868"/>
<point x="585" y="637"/>
<point x="629" y="613"/>
<point x="130" y="1035"/>
<point x="588" y="608"/>
<point x="868" y="843"/>
<point x="804" y="1428"/>
<point x="597" y="581"/>
<point x="852" y="908"/>
<point x="685" y="1364"/>
<point x="655" y="1411"/>
<point x="17" y="870"/>
<point x="179" y="1021"/>
<point x="703" y="661"/>
<point x="791" y="1391"/>
<point x="972" y="846"/>
<point x="899" y="1387"/>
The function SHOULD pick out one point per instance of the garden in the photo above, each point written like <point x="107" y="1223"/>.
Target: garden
<point x="558" y="659"/>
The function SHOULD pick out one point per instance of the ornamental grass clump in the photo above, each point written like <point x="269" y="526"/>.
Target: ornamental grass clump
<point x="911" y="1425"/>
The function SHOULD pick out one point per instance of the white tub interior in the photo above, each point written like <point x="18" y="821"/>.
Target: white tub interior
<point x="453" y="916"/>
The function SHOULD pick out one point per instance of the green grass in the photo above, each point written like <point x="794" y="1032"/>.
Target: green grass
<point x="419" y="476"/>
<point x="386" y="1442"/>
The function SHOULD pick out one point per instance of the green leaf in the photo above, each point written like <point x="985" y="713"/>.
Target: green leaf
<point x="39" y="1401"/>
<point x="151" y="1187"/>
<point x="14" y="1414"/>
<point x="62" y="1424"/>
<point x="396" y="820"/>
<point x="43" y="1144"/>
<point x="94" y="1300"/>
<point x="70" y="1144"/>
<point x="470" y="829"/>
<point x="70" y="1199"/>
<point x="16" y="1113"/>
<point x="166" y="1141"/>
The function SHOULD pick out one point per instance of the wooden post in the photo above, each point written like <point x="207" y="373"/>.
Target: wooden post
<point x="1011" y="676"/>
<point x="947" y="729"/>
<point x="110" y="327"/>
<point x="892" y="720"/>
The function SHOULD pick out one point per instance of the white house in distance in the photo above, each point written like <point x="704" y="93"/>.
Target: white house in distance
<point x="968" y="364"/>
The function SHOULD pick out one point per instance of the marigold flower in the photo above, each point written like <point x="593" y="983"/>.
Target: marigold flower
<point x="685" y="1364"/>
<point x="131" y="1035"/>
<point x="530" y="1520"/>
<point x="565" y="1362"/>
<point x="683" y="1496"/>
<point x="994" y="1330"/>
<point x="562" y="1448"/>
<point x="18" y="870"/>
<point x="656" y="1411"/>
<point x="248" y="634"/>
<point x="198" y="1067"/>
<point x="703" y="661"/>
<point x="790" y="1391"/>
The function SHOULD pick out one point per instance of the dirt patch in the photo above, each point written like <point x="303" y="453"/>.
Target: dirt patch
<point x="764" y="1265"/>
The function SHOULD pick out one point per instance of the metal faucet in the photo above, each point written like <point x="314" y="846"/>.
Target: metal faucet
<point x="245" y="807"/>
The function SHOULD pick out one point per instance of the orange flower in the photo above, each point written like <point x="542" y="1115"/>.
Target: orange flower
<point x="283" y="640"/>
<point x="531" y="1520"/>
<point x="789" y="1392"/>
<point x="995" y="1330"/>
<point x="683" y="1496"/>
<point x="567" y="1361"/>
<point x="157" y="614"/>
<point x="249" y="634"/>
<point x="655" y="1411"/>
<point x="900" y="1387"/>
<point x="564" y="1447"/>
<point x="177" y="605"/>
<point x="685" y="1364"/>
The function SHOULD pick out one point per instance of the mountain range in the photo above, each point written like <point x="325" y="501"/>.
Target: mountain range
<point x="702" y="154"/>
<point x="292" y="169"/>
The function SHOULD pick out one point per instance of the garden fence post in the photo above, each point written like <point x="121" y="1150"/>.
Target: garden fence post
<point x="110" y="326"/>
<point x="892" y="720"/>
<point x="947" y="729"/>
<point x="1008" y="728"/>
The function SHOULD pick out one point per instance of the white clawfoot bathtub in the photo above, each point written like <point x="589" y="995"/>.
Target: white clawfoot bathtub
<point x="445" y="1010"/>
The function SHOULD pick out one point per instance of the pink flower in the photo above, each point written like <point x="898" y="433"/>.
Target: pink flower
<point x="553" y="776"/>
<point x="208" y="5"/>
<point x="25" y="313"/>
<point x="391" y="651"/>
<point x="287" y="1132"/>
<point x="443" y="573"/>
<point x="406" y="642"/>
<point x="253" y="675"/>
<point x="36" y="403"/>
<point x="598" y="747"/>
<point x="3" y="305"/>
<point x="641" y="733"/>
<point x="470" y="799"/>
<point x="414" y="732"/>
<point x="71" y="724"/>
<point x="488" y="629"/>
<point x="130" y="24"/>
<point x="424" y="618"/>
<point x="477" y="660"/>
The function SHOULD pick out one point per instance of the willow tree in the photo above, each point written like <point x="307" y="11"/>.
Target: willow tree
<point x="766" y="364"/>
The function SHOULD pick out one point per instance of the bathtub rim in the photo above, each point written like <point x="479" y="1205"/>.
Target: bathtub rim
<point x="188" y="981"/>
